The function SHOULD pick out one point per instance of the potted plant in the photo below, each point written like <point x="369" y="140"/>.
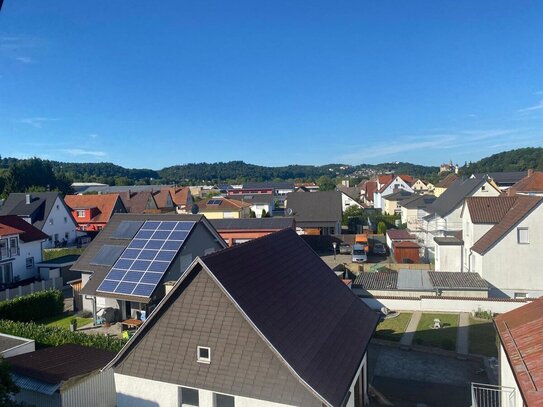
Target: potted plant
<point x="73" y="325"/>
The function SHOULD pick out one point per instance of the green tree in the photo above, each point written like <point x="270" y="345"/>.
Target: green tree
<point x="252" y="214"/>
<point x="353" y="212"/>
<point x="326" y="183"/>
<point x="265" y="214"/>
<point x="381" y="228"/>
<point x="7" y="387"/>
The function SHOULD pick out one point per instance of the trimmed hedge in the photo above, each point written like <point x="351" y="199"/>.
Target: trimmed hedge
<point x="53" y="336"/>
<point x="33" y="307"/>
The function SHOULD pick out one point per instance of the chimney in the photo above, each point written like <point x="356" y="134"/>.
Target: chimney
<point x="28" y="199"/>
<point x="168" y="285"/>
<point x="129" y="194"/>
<point x="530" y="172"/>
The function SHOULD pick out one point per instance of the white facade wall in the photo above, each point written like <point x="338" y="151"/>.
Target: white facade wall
<point x="30" y="249"/>
<point x="448" y="257"/>
<point x="507" y="379"/>
<point x="512" y="267"/>
<point x="97" y="390"/>
<point x="347" y="202"/>
<point x="397" y="183"/>
<point x="59" y="222"/>
<point x="257" y="209"/>
<point x="137" y="392"/>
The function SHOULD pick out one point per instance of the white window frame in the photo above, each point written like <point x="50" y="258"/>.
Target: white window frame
<point x="183" y="403"/>
<point x="80" y="213"/>
<point x="30" y="262"/>
<point x="519" y="240"/>
<point x="215" y="402"/>
<point x="201" y="359"/>
<point x="521" y="296"/>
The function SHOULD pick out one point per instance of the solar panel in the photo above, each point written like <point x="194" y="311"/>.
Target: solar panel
<point x="214" y="202"/>
<point x="127" y="229"/>
<point x="143" y="263"/>
<point x="107" y="255"/>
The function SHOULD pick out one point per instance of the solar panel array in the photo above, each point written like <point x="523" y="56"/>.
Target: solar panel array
<point x="142" y="264"/>
<point x="214" y="202"/>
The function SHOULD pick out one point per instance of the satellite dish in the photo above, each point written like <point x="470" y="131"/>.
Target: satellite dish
<point x="290" y="211"/>
<point x="194" y="209"/>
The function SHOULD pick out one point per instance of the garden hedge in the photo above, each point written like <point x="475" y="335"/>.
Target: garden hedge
<point x="33" y="307"/>
<point x="53" y="336"/>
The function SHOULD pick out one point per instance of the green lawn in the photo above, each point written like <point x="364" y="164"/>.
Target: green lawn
<point x="482" y="337"/>
<point x="444" y="338"/>
<point x="63" y="321"/>
<point x="392" y="329"/>
<point x="50" y="254"/>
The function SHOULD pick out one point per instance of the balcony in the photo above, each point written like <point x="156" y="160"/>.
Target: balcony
<point x="488" y="395"/>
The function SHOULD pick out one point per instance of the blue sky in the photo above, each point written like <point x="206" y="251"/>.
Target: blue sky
<point x="152" y="84"/>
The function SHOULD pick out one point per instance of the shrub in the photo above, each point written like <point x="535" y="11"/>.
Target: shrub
<point x="381" y="228"/>
<point x="447" y="344"/>
<point x="33" y="307"/>
<point x="53" y="336"/>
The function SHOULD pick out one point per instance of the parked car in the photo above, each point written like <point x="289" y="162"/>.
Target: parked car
<point x="359" y="254"/>
<point x="345" y="248"/>
<point x="379" y="249"/>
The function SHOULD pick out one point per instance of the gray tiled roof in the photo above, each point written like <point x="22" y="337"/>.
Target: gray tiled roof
<point x="382" y="280"/>
<point x="263" y="185"/>
<point x="503" y="178"/>
<point x="8" y="342"/>
<point x="398" y="195"/>
<point x="454" y="196"/>
<point x="456" y="280"/>
<point x="38" y="209"/>
<point x="314" y="207"/>
<point x="418" y="201"/>
<point x="275" y="223"/>
<point x="309" y="320"/>
<point x="253" y="198"/>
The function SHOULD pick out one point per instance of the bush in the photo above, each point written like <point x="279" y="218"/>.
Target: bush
<point x="33" y="307"/>
<point x="381" y="228"/>
<point x="53" y="336"/>
<point x="447" y="344"/>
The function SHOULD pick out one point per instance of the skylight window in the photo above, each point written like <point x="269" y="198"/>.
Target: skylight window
<point x="203" y="354"/>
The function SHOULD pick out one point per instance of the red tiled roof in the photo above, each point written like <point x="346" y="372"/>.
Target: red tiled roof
<point x="180" y="196"/>
<point x="13" y="224"/>
<point x="489" y="209"/>
<point x="522" y="207"/>
<point x="447" y="181"/>
<point x="407" y="178"/>
<point x="385" y="179"/>
<point x="161" y="198"/>
<point x="105" y="204"/>
<point x="370" y="188"/>
<point x="400" y="234"/>
<point x="521" y="336"/>
<point x="531" y="183"/>
<point x="136" y="202"/>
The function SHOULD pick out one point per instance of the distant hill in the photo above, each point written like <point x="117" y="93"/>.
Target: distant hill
<point x="521" y="159"/>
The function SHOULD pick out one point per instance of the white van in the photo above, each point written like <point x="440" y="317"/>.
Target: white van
<point x="359" y="254"/>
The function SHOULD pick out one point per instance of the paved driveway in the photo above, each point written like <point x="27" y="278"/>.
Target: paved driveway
<point x="411" y="378"/>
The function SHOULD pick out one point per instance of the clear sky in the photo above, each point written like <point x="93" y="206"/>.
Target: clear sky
<point x="157" y="83"/>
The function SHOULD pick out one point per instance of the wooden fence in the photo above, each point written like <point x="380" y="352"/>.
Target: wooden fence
<point x="21" y="290"/>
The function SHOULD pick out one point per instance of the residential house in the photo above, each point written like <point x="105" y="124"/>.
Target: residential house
<point x="15" y="345"/>
<point x="164" y="200"/>
<point x="413" y="208"/>
<point x="316" y="213"/>
<point x="502" y="180"/>
<point x="182" y="198"/>
<point x="398" y="235"/>
<point x="422" y="186"/>
<point x="350" y="196"/>
<point x="308" y="186"/>
<point x="224" y="208"/>
<point x="501" y="236"/>
<point x="449" y="253"/>
<point x="532" y="184"/>
<point x="116" y="189"/>
<point x="279" y="190"/>
<point x="46" y="211"/>
<point x="445" y="183"/>
<point x="444" y="217"/>
<point x="520" y="356"/>
<point x="367" y="191"/>
<point x="392" y="202"/>
<point x="153" y="248"/>
<point x="237" y="231"/>
<point x="395" y="184"/>
<point x="139" y="202"/>
<point x="65" y="375"/>
<point x="20" y="250"/>
<point x="251" y="325"/>
<point x="93" y="212"/>
<point x="261" y="204"/>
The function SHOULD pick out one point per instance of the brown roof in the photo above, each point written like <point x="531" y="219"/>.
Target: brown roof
<point x="385" y="179"/>
<point x="161" y="199"/>
<point x="370" y="187"/>
<point x="104" y="203"/>
<point x="520" y="209"/>
<point x="226" y="205"/>
<point x="180" y="196"/>
<point x="489" y="209"/>
<point x="136" y="202"/>
<point x="57" y="364"/>
<point x="407" y="178"/>
<point x="533" y="182"/>
<point x="447" y="181"/>
<point x="400" y="234"/>
<point x="406" y="244"/>
<point x="522" y="339"/>
<point x="13" y="224"/>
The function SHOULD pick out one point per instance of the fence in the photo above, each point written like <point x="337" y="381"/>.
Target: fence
<point x="445" y="304"/>
<point x="21" y="290"/>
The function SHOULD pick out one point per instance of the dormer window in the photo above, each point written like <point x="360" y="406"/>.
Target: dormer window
<point x="203" y="354"/>
<point x="80" y="214"/>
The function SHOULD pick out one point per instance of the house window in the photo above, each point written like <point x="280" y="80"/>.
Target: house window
<point x="99" y="227"/>
<point x="51" y="221"/>
<point x="58" y="207"/>
<point x="67" y="236"/>
<point x="189" y="397"/>
<point x="222" y="400"/>
<point x="6" y="273"/>
<point x="522" y="236"/>
<point x="521" y="296"/>
<point x="80" y="214"/>
<point x="65" y="219"/>
<point x="483" y="188"/>
<point x="13" y="246"/>
<point x="29" y="262"/>
<point x="3" y="248"/>
<point x="203" y="354"/>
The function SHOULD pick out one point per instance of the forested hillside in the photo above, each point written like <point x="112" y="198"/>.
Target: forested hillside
<point x="521" y="159"/>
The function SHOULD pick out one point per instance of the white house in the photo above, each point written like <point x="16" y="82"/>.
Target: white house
<point x="47" y="212"/>
<point x="444" y="214"/>
<point x="218" y="341"/>
<point x="531" y="184"/>
<point x="20" y="249"/>
<point x="349" y="197"/>
<point x="502" y="240"/>
<point x="520" y="380"/>
<point x="259" y="203"/>
<point x="393" y="185"/>
<point x="415" y="208"/>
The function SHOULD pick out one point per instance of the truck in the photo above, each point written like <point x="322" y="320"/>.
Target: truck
<point x="362" y="239"/>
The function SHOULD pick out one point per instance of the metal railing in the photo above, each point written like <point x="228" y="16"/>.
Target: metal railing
<point x="489" y="395"/>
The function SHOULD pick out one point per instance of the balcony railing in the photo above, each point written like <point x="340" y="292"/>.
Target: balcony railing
<point x="488" y="395"/>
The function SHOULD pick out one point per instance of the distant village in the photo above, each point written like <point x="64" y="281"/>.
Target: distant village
<point x="385" y="292"/>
